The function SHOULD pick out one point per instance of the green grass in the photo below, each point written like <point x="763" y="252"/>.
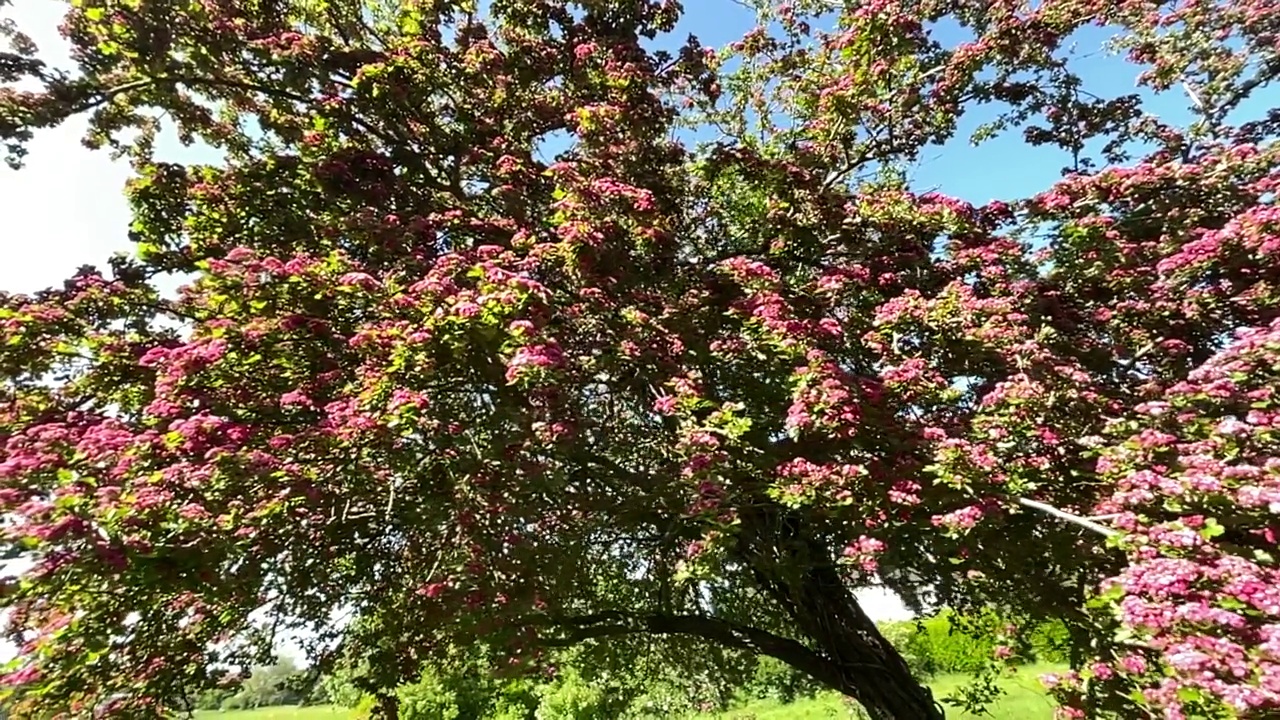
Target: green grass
<point x="1025" y="696"/>
<point x="1025" y="700"/>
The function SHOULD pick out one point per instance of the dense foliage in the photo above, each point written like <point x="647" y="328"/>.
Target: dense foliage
<point x="457" y="685"/>
<point x="701" y="374"/>
<point x="571" y="692"/>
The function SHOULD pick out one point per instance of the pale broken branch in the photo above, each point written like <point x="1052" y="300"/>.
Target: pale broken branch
<point x="1085" y="523"/>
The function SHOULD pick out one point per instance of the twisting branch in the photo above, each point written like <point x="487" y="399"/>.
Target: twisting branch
<point x="617" y="623"/>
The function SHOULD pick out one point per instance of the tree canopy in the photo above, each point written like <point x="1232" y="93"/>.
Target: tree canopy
<point x="524" y="323"/>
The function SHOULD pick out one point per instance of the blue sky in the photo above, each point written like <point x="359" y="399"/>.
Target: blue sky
<point x="66" y="208"/>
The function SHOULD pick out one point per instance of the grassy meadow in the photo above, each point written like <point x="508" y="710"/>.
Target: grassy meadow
<point x="1025" y="700"/>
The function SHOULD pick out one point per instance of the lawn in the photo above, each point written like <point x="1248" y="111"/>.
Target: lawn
<point x="1025" y="701"/>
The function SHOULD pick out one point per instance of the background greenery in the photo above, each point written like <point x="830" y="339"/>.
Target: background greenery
<point x="955" y="654"/>
<point x="1024" y="700"/>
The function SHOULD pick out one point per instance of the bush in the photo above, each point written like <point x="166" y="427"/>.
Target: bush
<point x="919" y="655"/>
<point x="364" y="709"/>
<point x="431" y="699"/>
<point x="1050" y="642"/>
<point x="341" y="690"/>
<point x="266" y="686"/>
<point x="589" y="689"/>
<point x="571" y="697"/>
<point x="665" y="697"/>
<point x="775" y="680"/>
<point x="213" y="699"/>
<point x="949" y="648"/>
<point x="945" y="643"/>
<point x="951" y="643"/>
<point x="466" y="693"/>
<point x="516" y="700"/>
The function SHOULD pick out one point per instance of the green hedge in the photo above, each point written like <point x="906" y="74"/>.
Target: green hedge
<point x="946" y="643"/>
<point x="1050" y="643"/>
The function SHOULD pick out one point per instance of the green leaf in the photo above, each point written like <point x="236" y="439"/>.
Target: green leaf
<point x="1212" y="529"/>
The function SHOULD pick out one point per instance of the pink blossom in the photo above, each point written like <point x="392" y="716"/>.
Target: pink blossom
<point x="543" y="356"/>
<point x="26" y="675"/>
<point x="665" y="405"/>
<point x="434" y="590"/>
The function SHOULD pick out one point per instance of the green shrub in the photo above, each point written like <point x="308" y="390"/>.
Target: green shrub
<point x="364" y="709"/>
<point x="919" y="655"/>
<point x="570" y="697"/>
<point x="431" y="698"/>
<point x="589" y="689"/>
<point x="504" y="711"/>
<point x="467" y="693"/>
<point x="1050" y="642"/>
<point x="775" y="680"/>
<point x="516" y="700"/>
<point x="950" y="643"/>
<point x="667" y="697"/>
<point x="340" y="690"/>
<point x="213" y="699"/>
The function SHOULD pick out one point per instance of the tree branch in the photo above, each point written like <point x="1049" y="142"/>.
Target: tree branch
<point x="743" y="637"/>
<point x="1062" y="515"/>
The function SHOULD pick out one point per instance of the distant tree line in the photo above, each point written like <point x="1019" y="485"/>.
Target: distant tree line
<point x="282" y="683"/>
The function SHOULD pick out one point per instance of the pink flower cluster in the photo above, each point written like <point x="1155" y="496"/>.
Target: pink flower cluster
<point x="1202" y="590"/>
<point x="863" y="552"/>
<point x="963" y="519"/>
<point x="828" y="399"/>
<point x="529" y="359"/>
<point x="836" y="481"/>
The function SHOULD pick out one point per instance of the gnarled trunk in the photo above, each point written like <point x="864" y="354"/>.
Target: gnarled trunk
<point x="851" y="656"/>
<point x="867" y="666"/>
<point x="798" y="573"/>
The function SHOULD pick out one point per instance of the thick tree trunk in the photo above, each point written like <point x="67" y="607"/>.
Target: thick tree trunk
<point x="798" y="573"/>
<point x="852" y="657"/>
<point x="870" y="670"/>
<point x="387" y="707"/>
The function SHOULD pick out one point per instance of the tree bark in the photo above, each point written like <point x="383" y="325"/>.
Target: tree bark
<point x="387" y="707"/>
<point x="869" y="669"/>
<point x="724" y="632"/>
<point x="797" y="572"/>
<point x="857" y="662"/>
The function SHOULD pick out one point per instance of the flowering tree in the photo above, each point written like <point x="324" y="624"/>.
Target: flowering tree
<point x="701" y="374"/>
